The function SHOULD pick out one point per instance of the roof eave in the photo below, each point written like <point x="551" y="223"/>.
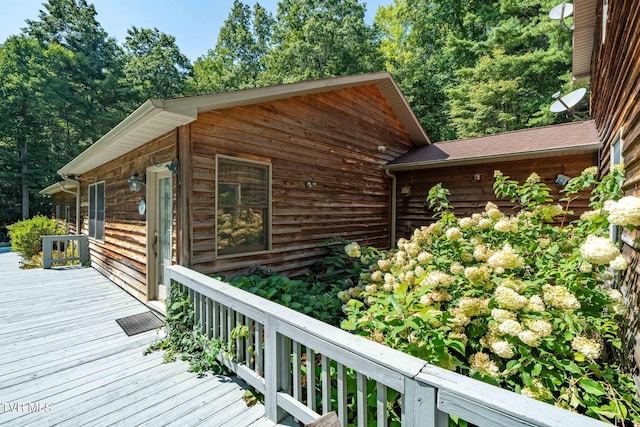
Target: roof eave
<point x="583" y="39"/>
<point x="58" y="187"/>
<point x="477" y="160"/>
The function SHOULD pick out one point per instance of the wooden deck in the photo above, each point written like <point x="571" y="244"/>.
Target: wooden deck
<point x="65" y="361"/>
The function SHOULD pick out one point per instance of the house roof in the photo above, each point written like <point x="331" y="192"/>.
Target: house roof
<point x="548" y="141"/>
<point x="584" y="21"/>
<point x="66" y="185"/>
<point x="157" y="117"/>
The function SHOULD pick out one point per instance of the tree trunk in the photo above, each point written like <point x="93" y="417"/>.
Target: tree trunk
<point x="24" y="182"/>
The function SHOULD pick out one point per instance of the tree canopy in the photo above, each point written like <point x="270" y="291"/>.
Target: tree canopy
<point x="467" y="67"/>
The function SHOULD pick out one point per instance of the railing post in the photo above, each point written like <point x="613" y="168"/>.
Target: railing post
<point x="272" y="366"/>
<point x="47" y="251"/>
<point x="83" y="249"/>
<point x="420" y="406"/>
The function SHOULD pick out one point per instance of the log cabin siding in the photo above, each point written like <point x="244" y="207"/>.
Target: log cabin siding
<point x="469" y="196"/>
<point x="329" y="140"/>
<point x="122" y="256"/>
<point x="615" y="106"/>
<point x="64" y="201"/>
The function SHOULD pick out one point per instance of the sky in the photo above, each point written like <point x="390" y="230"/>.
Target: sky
<point x="194" y="23"/>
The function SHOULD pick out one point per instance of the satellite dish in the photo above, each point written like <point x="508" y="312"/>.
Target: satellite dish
<point x="560" y="12"/>
<point x="568" y="101"/>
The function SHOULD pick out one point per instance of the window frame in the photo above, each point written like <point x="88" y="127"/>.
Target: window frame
<point x="267" y="227"/>
<point x="93" y="229"/>
<point x="616" y="158"/>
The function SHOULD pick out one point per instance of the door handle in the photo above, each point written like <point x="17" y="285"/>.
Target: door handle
<point x="155" y="244"/>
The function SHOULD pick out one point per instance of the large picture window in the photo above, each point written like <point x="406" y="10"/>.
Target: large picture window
<point x="243" y="206"/>
<point x="96" y="210"/>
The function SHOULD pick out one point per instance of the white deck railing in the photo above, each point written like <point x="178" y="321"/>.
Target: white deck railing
<point x="62" y="250"/>
<point x="306" y="368"/>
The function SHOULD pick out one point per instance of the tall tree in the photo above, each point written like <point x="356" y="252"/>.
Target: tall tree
<point x="524" y="58"/>
<point x="153" y="65"/>
<point x="321" y="38"/>
<point x="94" y="103"/>
<point x="238" y="57"/>
<point x="29" y="127"/>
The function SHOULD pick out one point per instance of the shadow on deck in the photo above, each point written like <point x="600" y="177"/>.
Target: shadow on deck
<point x="64" y="360"/>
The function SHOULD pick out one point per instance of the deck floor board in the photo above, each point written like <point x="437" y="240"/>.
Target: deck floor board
<point x="64" y="360"/>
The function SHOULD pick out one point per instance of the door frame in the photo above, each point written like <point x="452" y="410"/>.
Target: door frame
<point x="154" y="173"/>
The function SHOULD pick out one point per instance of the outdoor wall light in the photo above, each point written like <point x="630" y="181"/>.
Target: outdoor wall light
<point x="174" y="167"/>
<point x="405" y="191"/>
<point x="135" y="182"/>
<point x="562" y="179"/>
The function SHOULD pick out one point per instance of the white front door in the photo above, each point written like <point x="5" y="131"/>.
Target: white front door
<point x="160" y="229"/>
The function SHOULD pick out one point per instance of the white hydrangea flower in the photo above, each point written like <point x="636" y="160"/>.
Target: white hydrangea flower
<point x="625" y="211"/>
<point x="353" y="250"/>
<point x="473" y="306"/>
<point x="510" y="327"/>
<point x="560" y="297"/>
<point x="502" y="349"/>
<point x="481" y="362"/>
<point x="535" y="304"/>
<point x="484" y="223"/>
<point x="453" y="234"/>
<point x="590" y="215"/>
<point x="509" y="299"/>
<point x="592" y="349"/>
<point x="376" y="276"/>
<point x="500" y="315"/>
<point x="599" y="250"/>
<point x="477" y="274"/>
<point x="530" y="338"/>
<point x="389" y="278"/>
<point x="384" y="264"/>
<point x="371" y="288"/>
<point x="438" y="279"/>
<point x="620" y="263"/>
<point x="506" y="258"/>
<point x="465" y="222"/>
<point x="540" y="327"/>
<point x="503" y="225"/>
<point x="456" y="268"/>
<point x="585" y="267"/>
<point x="424" y="257"/>
<point x="412" y="249"/>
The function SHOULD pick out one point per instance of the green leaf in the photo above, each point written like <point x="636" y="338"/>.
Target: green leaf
<point x="592" y="387"/>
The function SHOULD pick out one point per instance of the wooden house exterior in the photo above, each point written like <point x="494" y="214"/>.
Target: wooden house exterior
<point x="466" y="168"/>
<point x="64" y="204"/>
<point x="607" y="53"/>
<point x="233" y="180"/>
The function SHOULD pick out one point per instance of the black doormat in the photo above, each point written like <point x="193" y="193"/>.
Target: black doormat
<point x="139" y="323"/>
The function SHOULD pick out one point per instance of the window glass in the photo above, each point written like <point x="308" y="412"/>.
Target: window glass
<point x="243" y="206"/>
<point x="96" y="210"/>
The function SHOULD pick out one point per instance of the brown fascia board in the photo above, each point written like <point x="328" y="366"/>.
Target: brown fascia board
<point x="478" y="160"/>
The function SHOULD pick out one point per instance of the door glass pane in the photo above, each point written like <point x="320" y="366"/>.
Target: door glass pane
<point x="164" y="225"/>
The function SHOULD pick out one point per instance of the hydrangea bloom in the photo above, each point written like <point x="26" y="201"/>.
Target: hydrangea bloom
<point x="592" y="349"/>
<point x="534" y="304"/>
<point x="506" y="258"/>
<point x="501" y="315"/>
<point x="510" y="327"/>
<point x="625" y="211"/>
<point x="540" y="327"/>
<point x="424" y="257"/>
<point x="477" y="274"/>
<point x="502" y="349"/>
<point x="509" y="299"/>
<point x="620" y="263"/>
<point x="599" y="250"/>
<point x="456" y="268"/>
<point x="453" y="234"/>
<point x="530" y="338"/>
<point x="384" y="264"/>
<point x="473" y="306"/>
<point x="438" y="279"/>
<point x="481" y="362"/>
<point x="465" y="222"/>
<point x="353" y="250"/>
<point x="560" y="297"/>
<point x="537" y="391"/>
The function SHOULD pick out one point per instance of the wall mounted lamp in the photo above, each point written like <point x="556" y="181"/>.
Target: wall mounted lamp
<point x="405" y="191"/>
<point x="136" y="183"/>
<point x="174" y="167"/>
<point x="562" y="179"/>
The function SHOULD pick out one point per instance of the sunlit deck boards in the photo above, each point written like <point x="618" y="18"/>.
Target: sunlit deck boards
<point x="64" y="360"/>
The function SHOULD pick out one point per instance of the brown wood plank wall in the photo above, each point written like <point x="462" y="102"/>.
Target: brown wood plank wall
<point x="615" y="106"/>
<point x="330" y="140"/>
<point x="122" y="256"/>
<point x="469" y="196"/>
<point x="64" y="200"/>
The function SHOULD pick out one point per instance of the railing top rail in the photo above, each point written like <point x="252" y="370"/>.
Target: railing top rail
<point x="65" y="237"/>
<point x="485" y="397"/>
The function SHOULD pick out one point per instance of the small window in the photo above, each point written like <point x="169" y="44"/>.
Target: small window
<point x="243" y="206"/>
<point x="615" y="231"/>
<point x="96" y="210"/>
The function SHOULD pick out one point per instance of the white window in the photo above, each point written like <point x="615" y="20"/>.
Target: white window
<point x="615" y="231"/>
<point x="243" y="206"/>
<point x="96" y="210"/>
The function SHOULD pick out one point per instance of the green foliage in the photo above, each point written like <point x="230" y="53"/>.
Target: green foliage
<point x="26" y="235"/>
<point x="184" y="339"/>
<point x="438" y="200"/>
<point x="513" y="300"/>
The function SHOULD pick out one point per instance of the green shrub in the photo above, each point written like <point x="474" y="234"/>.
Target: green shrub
<point x="513" y="300"/>
<point x="26" y="235"/>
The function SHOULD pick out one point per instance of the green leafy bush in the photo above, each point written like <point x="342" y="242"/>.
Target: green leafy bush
<point x="26" y="235"/>
<point x="515" y="300"/>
